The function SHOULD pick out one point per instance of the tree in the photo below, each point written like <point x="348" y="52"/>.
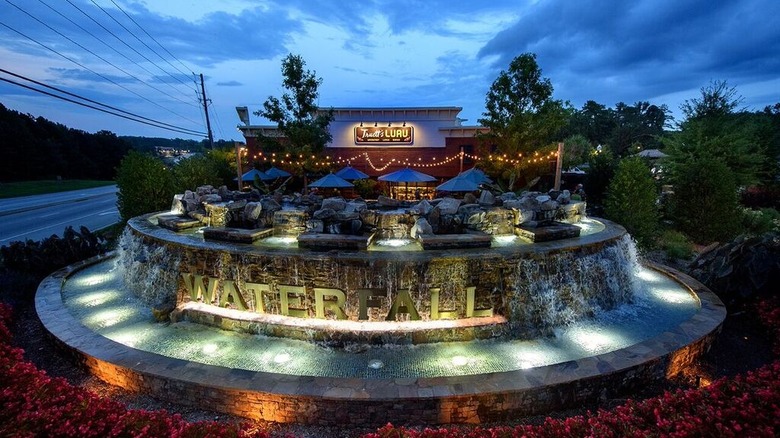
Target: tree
<point x="594" y="121"/>
<point x="577" y="150"/>
<point x="195" y="171"/>
<point x="712" y="130"/>
<point x="303" y="124"/>
<point x="636" y="127"/>
<point x="704" y="204"/>
<point x="523" y="119"/>
<point x="145" y="185"/>
<point x="631" y="201"/>
<point x="717" y="100"/>
<point x="601" y="169"/>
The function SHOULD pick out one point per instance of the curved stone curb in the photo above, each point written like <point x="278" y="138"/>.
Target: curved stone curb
<point x="374" y="402"/>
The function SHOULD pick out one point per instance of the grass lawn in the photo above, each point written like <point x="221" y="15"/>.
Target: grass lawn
<point x="27" y="188"/>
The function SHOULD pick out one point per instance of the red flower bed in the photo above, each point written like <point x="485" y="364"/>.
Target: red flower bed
<point x="742" y="406"/>
<point x="35" y="404"/>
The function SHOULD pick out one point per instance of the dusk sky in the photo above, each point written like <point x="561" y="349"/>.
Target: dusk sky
<point x="377" y="53"/>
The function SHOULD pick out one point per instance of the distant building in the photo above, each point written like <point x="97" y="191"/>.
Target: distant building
<point x="380" y="140"/>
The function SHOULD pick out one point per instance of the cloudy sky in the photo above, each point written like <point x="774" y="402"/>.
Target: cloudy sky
<point x="139" y="56"/>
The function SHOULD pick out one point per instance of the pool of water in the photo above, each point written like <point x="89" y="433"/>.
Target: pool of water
<point x="97" y="297"/>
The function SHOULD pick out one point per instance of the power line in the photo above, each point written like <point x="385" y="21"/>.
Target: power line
<point x="134" y="36"/>
<point x="97" y="108"/>
<point x="157" y="42"/>
<point x="51" y="87"/>
<point x="93" y="53"/>
<point x="96" y="73"/>
<point x="102" y="41"/>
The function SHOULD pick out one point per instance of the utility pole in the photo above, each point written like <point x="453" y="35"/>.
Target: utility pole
<point x="206" y="110"/>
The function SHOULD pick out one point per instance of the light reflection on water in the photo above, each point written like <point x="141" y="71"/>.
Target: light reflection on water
<point x="105" y="307"/>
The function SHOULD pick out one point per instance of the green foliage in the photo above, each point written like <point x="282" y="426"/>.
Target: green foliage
<point x="625" y="128"/>
<point x="296" y="114"/>
<point x="523" y="119"/>
<point x="36" y="149"/>
<point x="631" y="201"/>
<point x="601" y="169"/>
<point x="638" y="126"/>
<point x="704" y="204"/>
<point x="676" y="245"/>
<point x="148" y="144"/>
<point x="198" y="170"/>
<point x="594" y="121"/>
<point x="577" y="150"/>
<point x="760" y="221"/>
<point x="713" y="130"/>
<point x="145" y="185"/>
<point x="717" y="99"/>
<point x="367" y="188"/>
<point x="24" y="264"/>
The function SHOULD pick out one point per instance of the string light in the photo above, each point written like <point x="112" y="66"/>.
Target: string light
<point x="434" y="162"/>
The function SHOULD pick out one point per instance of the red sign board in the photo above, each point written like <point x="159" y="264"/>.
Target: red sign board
<point x="384" y="134"/>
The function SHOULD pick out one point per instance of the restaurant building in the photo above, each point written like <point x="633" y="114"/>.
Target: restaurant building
<point x="378" y="141"/>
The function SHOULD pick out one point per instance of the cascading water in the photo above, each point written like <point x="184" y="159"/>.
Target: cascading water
<point x="551" y="296"/>
<point x="515" y="328"/>
<point x="150" y="272"/>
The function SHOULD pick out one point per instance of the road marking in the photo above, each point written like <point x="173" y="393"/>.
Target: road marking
<point x="45" y="228"/>
<point x="103" y="213"/>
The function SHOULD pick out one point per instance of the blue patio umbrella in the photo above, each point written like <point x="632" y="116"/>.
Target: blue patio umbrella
<point x="406" y="175"/>
<point x="349" y="173"/>
<point x="331" y="181"/>
<point x="476" y="175"/>
<point x="458" y="184"/>
<point x="250" y="175"/>
<point x="274" y="173"/>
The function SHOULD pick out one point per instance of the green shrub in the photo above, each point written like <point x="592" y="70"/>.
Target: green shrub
<point x="761" y="220"/>
<point x="600" y="172"/>
<point x="145" y="185"/>
<point x="704" y="205"/>
<point x="676" y="245"/>
<point x="366" y="188"/>
<point x="195" y="171"/>
<point x="631" y="201"/>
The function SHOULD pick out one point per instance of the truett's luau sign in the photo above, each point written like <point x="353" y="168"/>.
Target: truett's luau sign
<point x="327" y="301"/>
<point x="384" y="134"/>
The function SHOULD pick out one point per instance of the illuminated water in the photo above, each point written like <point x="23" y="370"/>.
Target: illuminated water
<point x="97" y="297"/>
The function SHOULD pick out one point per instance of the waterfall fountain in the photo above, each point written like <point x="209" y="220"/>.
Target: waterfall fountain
<point x="298" y="324"/>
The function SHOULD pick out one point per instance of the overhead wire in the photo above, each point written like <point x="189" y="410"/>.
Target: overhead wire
<point x="93" y="71"/>
<point x="51" y="87"/>
<point x="95" y="107"/>
<point x="134" y="36"/>
<point x="103" y="41"/>
<point x="157" y="42"/>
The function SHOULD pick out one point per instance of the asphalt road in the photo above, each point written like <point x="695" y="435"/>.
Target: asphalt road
<point x="38" y="217"/>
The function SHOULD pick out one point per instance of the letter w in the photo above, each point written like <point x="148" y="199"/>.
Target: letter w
<point x="197" y="289"/>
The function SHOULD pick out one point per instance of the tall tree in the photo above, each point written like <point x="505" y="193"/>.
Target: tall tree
<point x="716" y="100"/>
<point x="523" y="119"/>
<point x="594" y="121"/>
<point x="303" y="125"/>
<point x="636" y="127"/>
<point x="713" y="130"/>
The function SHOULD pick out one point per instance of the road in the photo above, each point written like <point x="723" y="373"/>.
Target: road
<point x="38" y="217"/>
